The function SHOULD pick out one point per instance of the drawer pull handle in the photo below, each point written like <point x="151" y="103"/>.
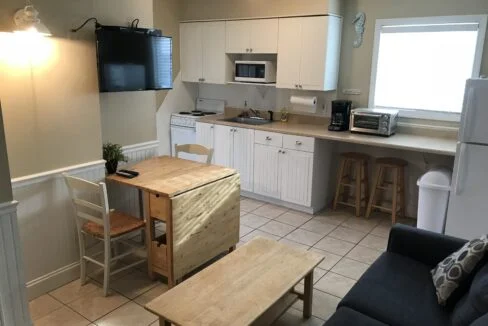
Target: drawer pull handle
<point x="157" y="195"/>
<point x="298" y="142"/>
<point x="268" y="138"/>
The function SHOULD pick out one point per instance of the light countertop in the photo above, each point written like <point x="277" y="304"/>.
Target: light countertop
<point x="418" y="143"/>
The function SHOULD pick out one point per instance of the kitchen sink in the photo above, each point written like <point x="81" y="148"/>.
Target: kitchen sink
<point x="248" y="121"/>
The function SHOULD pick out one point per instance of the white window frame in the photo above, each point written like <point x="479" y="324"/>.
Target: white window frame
<point x="424" y="114"/>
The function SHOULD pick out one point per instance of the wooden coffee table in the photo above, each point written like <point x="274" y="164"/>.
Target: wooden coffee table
<point x="252" y="285"/>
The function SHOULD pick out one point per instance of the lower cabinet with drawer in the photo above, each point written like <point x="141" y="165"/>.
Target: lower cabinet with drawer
<point x="284" y="169"/>
<point x="296" y="172"/>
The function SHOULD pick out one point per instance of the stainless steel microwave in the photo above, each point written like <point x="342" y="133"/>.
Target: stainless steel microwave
<point x="382" y="122"/>
<point x="255" y="71"/>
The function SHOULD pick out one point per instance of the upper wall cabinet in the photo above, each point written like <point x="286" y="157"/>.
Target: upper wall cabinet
<point x="202" y="54"/>
<point x="308" y="53"/>
<point x="252" y="36"/>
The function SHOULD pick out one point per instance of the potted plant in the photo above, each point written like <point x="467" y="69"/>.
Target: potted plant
<point x="113" y="154"/>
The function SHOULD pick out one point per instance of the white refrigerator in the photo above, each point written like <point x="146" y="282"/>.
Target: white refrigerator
<point x="467" y="214"/>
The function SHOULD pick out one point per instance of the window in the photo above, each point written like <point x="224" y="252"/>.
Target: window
<point x="420" y="65"/>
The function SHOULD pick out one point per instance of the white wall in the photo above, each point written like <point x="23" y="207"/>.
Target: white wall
<point x="262" y="97"/>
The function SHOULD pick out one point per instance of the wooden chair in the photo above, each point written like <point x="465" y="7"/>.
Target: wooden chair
<point x="94" y="218"/>
<point x="396" y="186"/>
<point x="352" y="164"/>
<point x="195" y="149"/>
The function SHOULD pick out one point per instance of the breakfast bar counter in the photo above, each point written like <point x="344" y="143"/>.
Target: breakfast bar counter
<point x="418" y="143"/>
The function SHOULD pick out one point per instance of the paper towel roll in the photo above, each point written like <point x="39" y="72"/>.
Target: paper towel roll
<point x="304" y="103"/>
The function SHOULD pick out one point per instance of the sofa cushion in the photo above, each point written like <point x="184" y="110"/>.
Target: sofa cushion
<point x="482" y="321"/>
<point x="456" y="267"/>
<point x="348" y="317"/>
<point x="397" y="290"/>
<point x="475" y="303"/>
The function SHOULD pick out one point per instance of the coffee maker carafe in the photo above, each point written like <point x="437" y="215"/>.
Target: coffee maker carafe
<point x="341" y="113"/>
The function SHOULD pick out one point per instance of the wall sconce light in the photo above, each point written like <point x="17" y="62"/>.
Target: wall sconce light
<point x="27" y="20"/>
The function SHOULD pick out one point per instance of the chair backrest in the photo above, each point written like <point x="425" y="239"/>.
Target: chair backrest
<point x="90" y="201"/>
<point x="195" y="149"/>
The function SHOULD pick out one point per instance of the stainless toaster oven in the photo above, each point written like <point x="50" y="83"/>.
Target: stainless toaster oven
<point x="382" y="122"/>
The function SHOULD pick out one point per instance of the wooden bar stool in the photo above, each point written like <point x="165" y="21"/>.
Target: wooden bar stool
<point x="396" y="186"/>
<point x="352" y="164"/>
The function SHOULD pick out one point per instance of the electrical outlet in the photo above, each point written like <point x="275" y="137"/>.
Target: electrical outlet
<point x="351" y="91"/>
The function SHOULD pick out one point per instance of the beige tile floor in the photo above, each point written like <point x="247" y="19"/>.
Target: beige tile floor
<point x="349" y="245"/>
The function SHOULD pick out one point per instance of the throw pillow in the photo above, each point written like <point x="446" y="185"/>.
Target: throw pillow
<point x="450" y="272"/>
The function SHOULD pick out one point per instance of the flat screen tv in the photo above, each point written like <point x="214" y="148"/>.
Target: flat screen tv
<point x="133" y="59"/>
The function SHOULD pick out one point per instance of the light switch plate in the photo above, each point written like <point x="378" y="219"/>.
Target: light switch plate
<point x="351" y="91"/>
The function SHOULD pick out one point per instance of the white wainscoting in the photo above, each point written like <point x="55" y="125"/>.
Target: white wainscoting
<point x="123" y="198"/>
<point x="13" y="300"/>
<point x="47" y="227"/>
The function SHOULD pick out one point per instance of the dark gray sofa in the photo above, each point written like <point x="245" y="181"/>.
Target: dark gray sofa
<point x="397" y="289"/>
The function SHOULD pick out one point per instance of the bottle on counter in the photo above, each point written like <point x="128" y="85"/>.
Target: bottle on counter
<point x="284" y="115"/>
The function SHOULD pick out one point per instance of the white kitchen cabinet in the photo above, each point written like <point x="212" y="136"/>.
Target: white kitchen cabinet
<point x="266" y="170"/>
<point x="308" y="52"/>
<point x="296" y="170"/>
<point x="234" y="147"/>
<point x="252" y="36"/>
<point x="293" y="171"/>
<point x="202" y="53"/>
<point x="205" y="136"/>
<point x="290" y="51"/>
<point x="237" y="36"/>
<point x="295" y="174"/>
<point x="191" y="51"/>
<point x="243" y="156"/>
<point x="224" y="145"/>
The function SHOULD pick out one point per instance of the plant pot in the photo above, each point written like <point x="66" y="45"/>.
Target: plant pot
<point x="111" y="166"/>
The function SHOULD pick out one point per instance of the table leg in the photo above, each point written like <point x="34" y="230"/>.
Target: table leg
<point x="163" y="322"/>
<point x="308" y="296"/>
<point x="149" y="231"/>
<point x="141" y="213"/>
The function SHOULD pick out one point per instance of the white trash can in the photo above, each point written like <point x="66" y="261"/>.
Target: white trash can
<point x="434" y="189"/>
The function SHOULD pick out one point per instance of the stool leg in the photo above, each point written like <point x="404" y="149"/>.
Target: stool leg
<point x="402" y="191"/>
<point x="395" y="197"/>
<point x="365" y="182"/>
<point x="358" y="188"/>
<point x="347" y="179"/>
<point x="339" y="182"/>
<point x="374" y="193"/>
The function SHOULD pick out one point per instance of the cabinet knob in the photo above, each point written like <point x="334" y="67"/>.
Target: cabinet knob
<point x="211" y="127"/>
<point x="280" y="151"/>
<point x="268" y="138"/>
<point x="250" y="50"/>
<point x="247" y="50"/>
<point x="296" y="86"/>
<point x="283" y="152"/>
<point x="298" y="142"/>
<point x="301" y="86"/>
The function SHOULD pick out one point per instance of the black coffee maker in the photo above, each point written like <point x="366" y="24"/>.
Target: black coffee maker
<point x="341" y="113"/>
